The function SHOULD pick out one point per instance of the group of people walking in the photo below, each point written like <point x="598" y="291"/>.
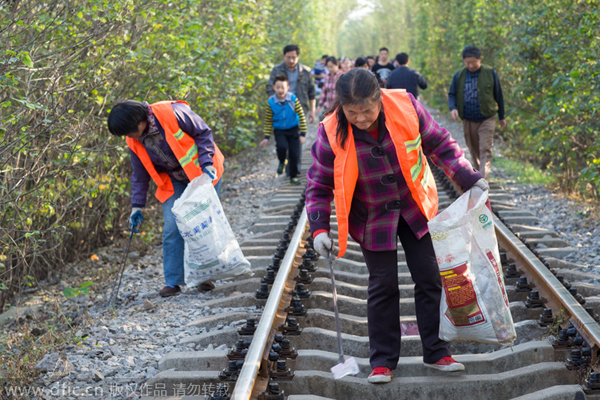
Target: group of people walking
<point x="473" y="100"/>
<point x="371" y="157"/>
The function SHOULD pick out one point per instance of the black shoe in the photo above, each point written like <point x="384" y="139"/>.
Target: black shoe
<point x="206" y="286"/>
<point x="280" y="168"/>
<point x="168" y="291"/>
<point x="294" y="181"/>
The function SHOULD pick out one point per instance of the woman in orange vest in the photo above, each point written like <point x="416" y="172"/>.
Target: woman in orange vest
<point x="370" y="157"/>
<point x="171" y="145"/>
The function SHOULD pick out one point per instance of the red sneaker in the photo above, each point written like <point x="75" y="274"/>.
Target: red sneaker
<point x="380" y="375"/>
<point x="447" y="364"/>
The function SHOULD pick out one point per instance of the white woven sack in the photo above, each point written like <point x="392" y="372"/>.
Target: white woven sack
<point x="211" y="250"/>
<point x="474" y="305"/>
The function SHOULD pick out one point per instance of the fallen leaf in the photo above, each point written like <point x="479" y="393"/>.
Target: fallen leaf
<point x="94" y="257"/>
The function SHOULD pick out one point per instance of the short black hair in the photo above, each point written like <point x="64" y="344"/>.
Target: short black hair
<point x="402" y="58"/>
<point x="324" y="56"/>
<point x="370" y="58"/>
<point x="384" y="48"/>
<point x="125" y="117"/>
<point x="471" y="51"/>
<point x="332" y="59"/>
<point x="291" y="47"/>
<point x="281" y="78"/>
<point x="360" y="61"/>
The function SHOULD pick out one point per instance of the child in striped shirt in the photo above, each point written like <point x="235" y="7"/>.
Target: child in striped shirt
<point x="285" y="118"/>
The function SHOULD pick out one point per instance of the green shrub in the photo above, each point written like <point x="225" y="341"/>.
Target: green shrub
<point x="64" y="181"/>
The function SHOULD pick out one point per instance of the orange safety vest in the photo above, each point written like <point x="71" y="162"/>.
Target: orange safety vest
<point x="402" y="122"/>
<point x="182" y="145"/>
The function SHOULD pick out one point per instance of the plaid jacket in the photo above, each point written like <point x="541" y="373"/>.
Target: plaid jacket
<point x="381" y="195"/>
<point x="328" y="93"/>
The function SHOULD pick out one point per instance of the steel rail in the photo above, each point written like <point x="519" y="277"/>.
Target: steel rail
<point x="252" y="363"/>
<point x="558" y="296"/>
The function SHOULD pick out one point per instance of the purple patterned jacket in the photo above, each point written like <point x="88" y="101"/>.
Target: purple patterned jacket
<point x="381" y="195"/>
<point x="161" y="154"/>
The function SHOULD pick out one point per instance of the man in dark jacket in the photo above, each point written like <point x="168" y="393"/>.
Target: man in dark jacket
<point x="475" y="96"/>
<point x="299" y="77"/>
<point x="406" y="78"/>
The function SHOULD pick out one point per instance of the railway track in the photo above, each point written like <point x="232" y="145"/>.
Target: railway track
<point x="285" y="345"/>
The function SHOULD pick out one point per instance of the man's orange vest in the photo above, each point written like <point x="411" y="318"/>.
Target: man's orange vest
<point x="182" y="145"/>
<point x="402" y="123"/>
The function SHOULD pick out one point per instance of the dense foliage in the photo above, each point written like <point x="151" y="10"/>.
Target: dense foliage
<point x="547" y="55"/>
<point x="382" y="26"/>
<point x="64" y="183"/>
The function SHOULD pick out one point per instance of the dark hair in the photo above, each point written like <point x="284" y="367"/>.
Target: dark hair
<point x="324" y="56"/>
<point x="356" y="86"/>
<point x="281" y="78"/>
<point x="125" y="117"/>
<point x="333" y="60"/>
<point x="291" y="47"/>
<point x="360" y="61"/>
<point x="370" y="58"/>
<point x="384" y="48"/>
<point x="402" y="58"/>
<point x="471" y="51"/>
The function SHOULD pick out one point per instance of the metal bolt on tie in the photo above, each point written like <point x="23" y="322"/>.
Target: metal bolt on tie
<point x="546" y="317"/>
<point x="301" y="291"/>
<point x="523" y="285"/>
<point x="275" y="265"/>
<point x="311" y="254"/>
<point x="576" y="360"/>
<point x="296" y="308"/>
<point x="273" y="356"/>
<point x="276" y="348"/>
<point x="248" y="328"/>
<point x="563" y="339"/>
<point x="239" y="351"/>
<point x="282" y="373"/>
<point x="564" y="282"/>
<point x="593" y="382"/>
<point x="571" y="331"/>
<point x="534" y="300"/>
<point x="287" y="351"/>
<point x="269" y="278"/>
<point x="308" y="265"/>
<point x="232" y="371"/>
<point x="290" y="327"/>
<point x="580" y="299"/>
<point x="263" y="292"/>
<point x="511" y="271"/>
<point x="304" y="277"/>
<point x="273" y="392"/>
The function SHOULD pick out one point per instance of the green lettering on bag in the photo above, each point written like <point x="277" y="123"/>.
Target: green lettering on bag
<point x="209" y="265"/>
<point x="197" y="210"/>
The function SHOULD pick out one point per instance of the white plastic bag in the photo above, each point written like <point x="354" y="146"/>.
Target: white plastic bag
<point x="474" y="305"/>
<point x="211" y="250"/>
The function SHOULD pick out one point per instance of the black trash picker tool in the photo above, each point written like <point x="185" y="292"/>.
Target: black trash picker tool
<point x="117" y="284"/>
<point x="345" y="366"/>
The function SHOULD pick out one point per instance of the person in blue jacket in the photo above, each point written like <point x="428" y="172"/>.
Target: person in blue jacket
<point x="285" y="119"/>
